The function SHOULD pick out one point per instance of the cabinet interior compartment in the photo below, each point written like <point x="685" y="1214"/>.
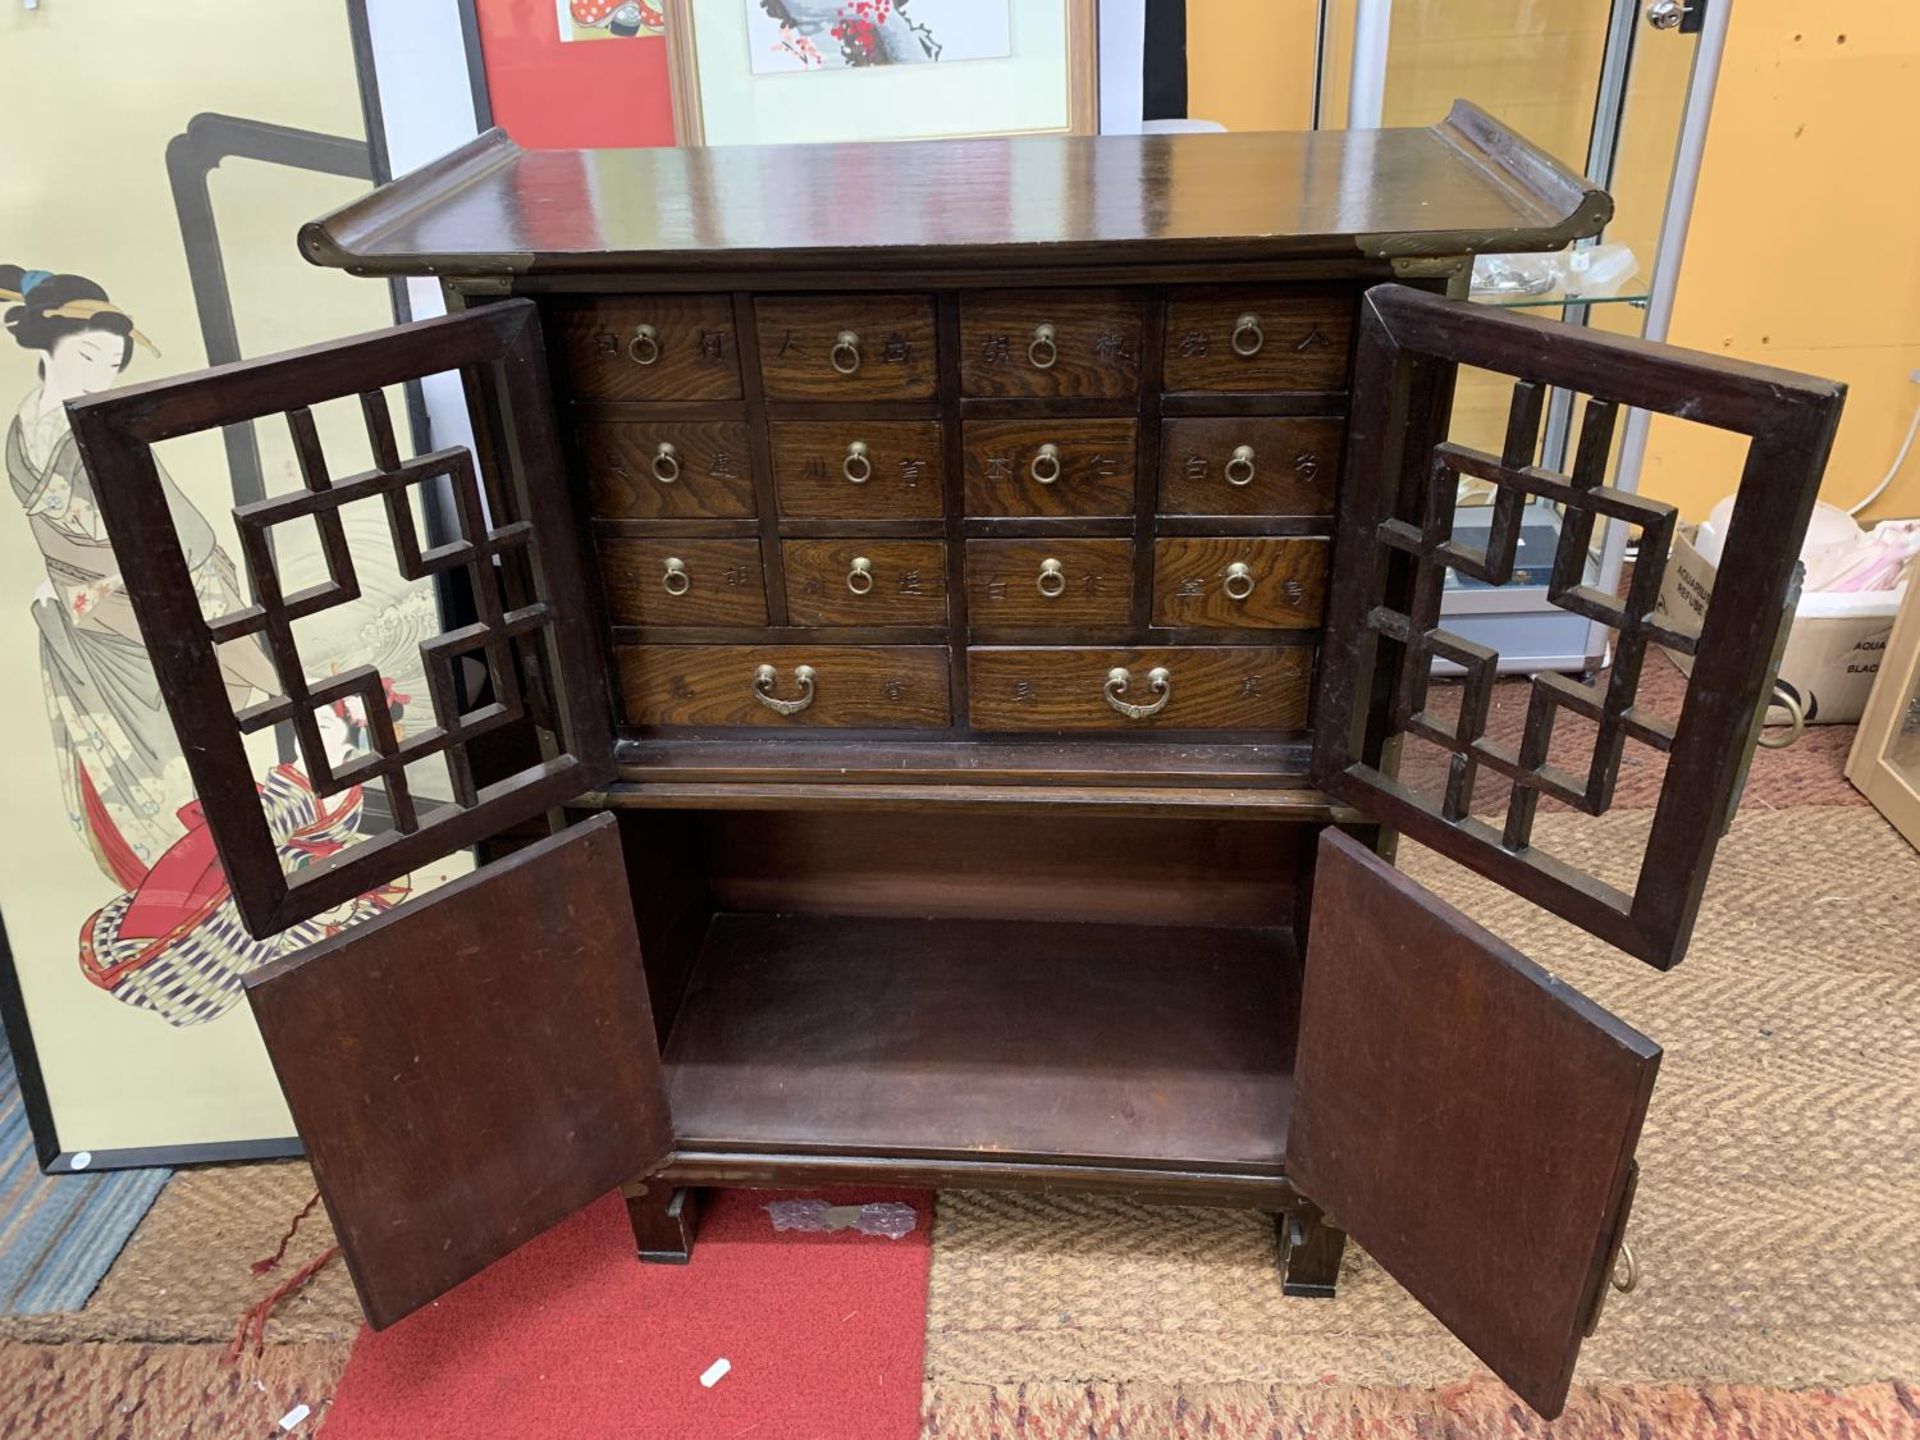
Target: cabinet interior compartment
<point x="1118" y="991"/>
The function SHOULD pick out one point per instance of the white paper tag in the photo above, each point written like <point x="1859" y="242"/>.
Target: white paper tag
<point x="293" y="1417"/>
<point x="711" y="1375"/>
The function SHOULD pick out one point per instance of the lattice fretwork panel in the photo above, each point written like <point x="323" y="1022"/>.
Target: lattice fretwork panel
<point x="1400" y="539"/>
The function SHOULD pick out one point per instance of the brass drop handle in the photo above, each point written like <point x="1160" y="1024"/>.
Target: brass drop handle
<point x="1159" y="683"/>
<point x="845" y="355"/>
<point x="1624" y="1277"/>
<point x="766" y="677"/>
<point x="1240" y="467"/>
<point x="666" y="462"/>
<point x="676" y="580"/>
<point x="1248" y="337"/>
<point x="1052" y="581"/>
<point x="1042" y="350"/>
<point x="1046" y="464"/>
<point x="1239" y="581"/>
<point x="860" y="575"/>
<point x="857" y="467"/>
<point x="644" y="347"/>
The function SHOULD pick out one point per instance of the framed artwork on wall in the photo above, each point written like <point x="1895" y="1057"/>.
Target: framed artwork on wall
<point x="758" y="72"/>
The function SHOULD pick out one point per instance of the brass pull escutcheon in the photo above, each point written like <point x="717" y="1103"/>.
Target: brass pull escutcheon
<point x="644" y="347"/>
<point x="1239" y="581"/>
<point x="1053" y="580"/>
<point x="1159" y="683"/>
<point x="845" y="355"/>
<point x="1046" y="464"/>
<point x="860" y="575"/>
<point x="676" y="580"/>
<point x="857" y="467"/>
<point x="1240" y="467"/>
<point x="1248" y="337"/>
<point x="1042" y="349"/>
<point x="766" y="677"/>
<point x="666" y="463"/>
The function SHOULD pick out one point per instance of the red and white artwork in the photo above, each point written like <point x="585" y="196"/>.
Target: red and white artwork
<point x="802" y="35"/>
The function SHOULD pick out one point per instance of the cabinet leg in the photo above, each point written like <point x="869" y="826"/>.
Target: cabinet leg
<point x="664" y="1220"/>
<point x="1310" y="1251"/>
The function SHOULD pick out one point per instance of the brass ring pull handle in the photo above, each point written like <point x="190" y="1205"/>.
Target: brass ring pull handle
<point x="1240" y="467"/>
<point x="1052" y="581"/>
<point x="1248" y="337"/>
<point x="860" y="575"/>
<point x="644" y="347"/>
<point x="1042" y="350"/>
<point x="666" y="463"/>
<point x="1239" y="581"/>
<point x="1046" y="464"/>
<point x="1626" y="1270"/>
<point x="1159" y="682"/>
<point x="845" y="355"/>
<point x="676" y="580"/>
<point x="857" y="467"/>
<point x="766" y="677"/>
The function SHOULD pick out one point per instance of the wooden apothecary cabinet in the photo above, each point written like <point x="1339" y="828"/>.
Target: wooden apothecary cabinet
<point x="971" y="600"/>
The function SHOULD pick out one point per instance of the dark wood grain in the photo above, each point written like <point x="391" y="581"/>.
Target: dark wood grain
<point x="714" y="478"/>
<point x="1003" y="582"/>
<point x="699" y="354"/>
<point x="1225" y="688"/>
<point x="907" y="459"/>
<point x="988" y="1037"/>
<point x="895" y="347"/>
<point x="1466" y="1117"/>
<point x="1096" y="460"/>
<point x="1191" y="579"/>
<point x="1307" y="337"/>
<point x="723" y="584"/>
<point x="884" y="687"/>
<point x="1094" y="351"/>
<point x="907" y="582"/>
<point x="472" y="1067"/>
<point x="1295" y="464"/>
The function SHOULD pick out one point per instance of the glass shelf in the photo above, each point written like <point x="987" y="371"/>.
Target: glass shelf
<point x="1635" y="296"/>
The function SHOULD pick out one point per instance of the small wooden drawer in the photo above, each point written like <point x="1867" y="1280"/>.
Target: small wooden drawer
<point x="1257" y="338"/>
<point x="668" y="470"/>
<point x="1259" y="465"/>
<point x="1049" y="582"/>
<point x="1249" y="582"/>
<point x="796" y="686"/>
<point x="852" y="347"/>
<point x="859" y="469"/>
<point x="1049" y="467"/>
<point x="683" y="582"/>
<point x="1082" y="343"/>
<point x="866" y="582"/>
<point x="650" y="347"/>
<point x="1176" y="687"/>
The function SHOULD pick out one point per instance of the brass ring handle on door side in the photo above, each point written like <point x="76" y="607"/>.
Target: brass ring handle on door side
<point x="1240" y="467"/>
<point x="666" y="462"/>
<point x="1248" y="337"/>
<point x="675" y="580"/>
<point x="1159" y="682"/>
<point x="1052" y="580"/>
<point x="1045" y="466"/>
<point x="858" y="466"/>
<point x="766" y="677"/>
<point x="860" y="575"/>
<point x="1239" y="581"/>
<point x="845" y="355"/>
<point x="644" y="347"/>
<point x="1043" y="351"/>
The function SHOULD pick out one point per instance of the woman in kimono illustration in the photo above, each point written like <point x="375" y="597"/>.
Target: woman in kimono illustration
<point x="173" y="942"/>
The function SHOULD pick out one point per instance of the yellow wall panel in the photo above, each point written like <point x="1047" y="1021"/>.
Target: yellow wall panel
<point x="1250" y="63"/>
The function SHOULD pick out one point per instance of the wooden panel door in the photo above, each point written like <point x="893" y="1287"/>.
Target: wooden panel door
<point x="1397" y="542"/>
<point x="1466" y="1117"/>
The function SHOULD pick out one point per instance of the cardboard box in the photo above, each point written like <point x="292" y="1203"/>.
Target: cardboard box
<point x="1833" y="651"/>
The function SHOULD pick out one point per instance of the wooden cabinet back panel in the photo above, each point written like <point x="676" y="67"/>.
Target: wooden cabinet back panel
<point x="1258" y="338"/>
<point x="683" y="582"/>
<point x="1010" y="469"/>
<point x="1243" y="687"/>
<point x="866" y="582"/>
<point x="859" y="469"/>
<point x="1065" y="581"/>
<point x="1251" y="465"/>
<point x="1079" y="343"/>
<point x="668" y="470"/>
<point x="1251" y="582"/>
<point x="650" y="347"/>
<point x="888" y="352"/>
<point x="875" y="687"/>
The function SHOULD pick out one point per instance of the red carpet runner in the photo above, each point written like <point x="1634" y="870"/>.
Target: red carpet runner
<point x="570" y="1336"/>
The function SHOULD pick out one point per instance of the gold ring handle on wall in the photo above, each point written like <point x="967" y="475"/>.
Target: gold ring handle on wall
<point x="845" y="355"/>
<point x="666" y="462"/>
<point x="1248" y="337"/>
<point x="1239" y="581"/>
<point x="1043" y="351"/>
<point x="1052" y="581"/>
<point x="860" y="575"/>
<point x="766" y="677"/>
<point x="1159" y="684"/>
<point x="858" y="466"/>
<point x="1240" y="467"/>
<point x="644" y="347"/>
<point x="1045" y="468"/>
<point x="675" y="580"/>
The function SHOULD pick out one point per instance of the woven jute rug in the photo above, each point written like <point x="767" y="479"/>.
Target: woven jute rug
<point x="1777" y="1224"/>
